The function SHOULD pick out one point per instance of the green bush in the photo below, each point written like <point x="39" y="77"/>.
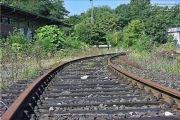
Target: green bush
<point x="169" y="46"/>
<point x="114" y="38"/>
<point x="72" y="42"/>
<point x="50" y="38"/>
<point x="144" y="43"/>
<point x="133" y="32"/>
<point x="90" y="33"/>
<point x="18" y="43"/>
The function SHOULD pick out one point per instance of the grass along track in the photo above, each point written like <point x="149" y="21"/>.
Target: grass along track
<point x="85" y="89"/>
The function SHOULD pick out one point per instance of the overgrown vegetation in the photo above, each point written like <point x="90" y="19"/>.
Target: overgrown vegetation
<point x="22" y="58"/>
<point x="158" y="60"/>
<point x="137" y="25"/>
<point x="50" y="8"/>
<point x="131" y="26"/>
<point x="88" y="65"/>
<point x="51" y="39"/>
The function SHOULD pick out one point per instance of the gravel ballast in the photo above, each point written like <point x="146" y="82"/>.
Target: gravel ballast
<point x="166" y="79"/>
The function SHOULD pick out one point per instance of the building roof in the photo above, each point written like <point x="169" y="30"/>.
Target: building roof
<point x="175" y="29"/>
<point x="174" y="25"/>
<point x="29" y="16"/>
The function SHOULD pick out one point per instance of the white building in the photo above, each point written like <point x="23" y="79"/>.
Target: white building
<point x="176" y="33"/>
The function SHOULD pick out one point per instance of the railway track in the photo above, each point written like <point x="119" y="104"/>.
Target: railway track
<point x="84" y="89"/>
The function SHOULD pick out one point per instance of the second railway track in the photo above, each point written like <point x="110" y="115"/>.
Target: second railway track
<point x="86" y="90"/>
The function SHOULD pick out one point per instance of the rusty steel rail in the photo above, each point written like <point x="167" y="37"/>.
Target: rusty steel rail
<point x="169" y="95"/>
<point x="15" y="111"/>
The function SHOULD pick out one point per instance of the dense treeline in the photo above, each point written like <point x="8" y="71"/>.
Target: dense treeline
<point x="139" y="24"/>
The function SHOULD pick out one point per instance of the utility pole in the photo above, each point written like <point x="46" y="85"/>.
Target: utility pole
<point x="92" y="19"/>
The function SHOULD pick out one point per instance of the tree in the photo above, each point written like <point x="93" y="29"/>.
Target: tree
<point x="53" y="9"/>
<point x="135" y="37"/>
<point x="123" y="11"/>
<point x="140" y="1"/>
<point x="174" y="15"/>
<point x="74" y="19"/>
<point x="133" y="32"/>
<point x="156" y="28"/>
<point x="139" y="9"/>
<point x="50" y="8"/>
<point x="105" y="20"/>
<point x="90" y="33"/>
<point x="136" y="10"/>
<point x="115" y="38"/>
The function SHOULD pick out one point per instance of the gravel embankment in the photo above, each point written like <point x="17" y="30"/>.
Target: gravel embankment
<point x="166" y="79"/>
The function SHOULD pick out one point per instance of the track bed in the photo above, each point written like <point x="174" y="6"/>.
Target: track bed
<point x="85" y="89"/>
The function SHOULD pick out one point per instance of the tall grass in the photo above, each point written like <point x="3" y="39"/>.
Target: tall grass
<point x="15" y="67"/>
<point x="21" y="58"/>
<point x="156" y="61"/>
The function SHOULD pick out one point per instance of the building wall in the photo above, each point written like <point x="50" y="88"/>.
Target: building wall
<point x="7" y="25"/>
<point x="176" y="34"/>
<point x="5" y="29"/>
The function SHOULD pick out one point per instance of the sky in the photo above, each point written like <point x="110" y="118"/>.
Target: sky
<point x="80" y="6"/>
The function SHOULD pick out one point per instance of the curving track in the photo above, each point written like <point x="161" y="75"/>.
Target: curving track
<point x="85" y="89"/>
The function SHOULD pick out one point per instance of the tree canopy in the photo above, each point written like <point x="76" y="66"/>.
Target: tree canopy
<point x="50" y="8"/>
<point x="105" y="20"/>
<point x="138" y="24"/>
<point x="133" y="22"/>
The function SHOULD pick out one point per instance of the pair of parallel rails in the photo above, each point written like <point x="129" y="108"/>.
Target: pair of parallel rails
<point x="63" y="91"/>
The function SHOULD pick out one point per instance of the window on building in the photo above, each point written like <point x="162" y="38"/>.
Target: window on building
<point x="15" y="23"/>
<point x="30" y="24"/>
<point x="22" y="24"/>
<point x="11" y="21"/>
<point x="4" y="20"/>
